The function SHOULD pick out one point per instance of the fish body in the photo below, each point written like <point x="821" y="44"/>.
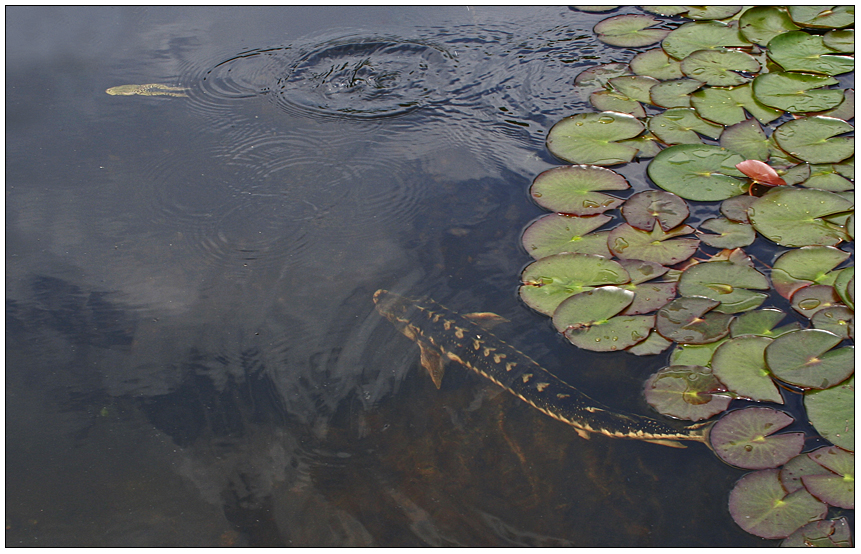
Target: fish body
<point x="443" y="335"/>
<point x="152" y="89"/>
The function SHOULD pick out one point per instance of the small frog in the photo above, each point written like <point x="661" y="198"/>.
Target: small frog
<point x="154" y="89"/>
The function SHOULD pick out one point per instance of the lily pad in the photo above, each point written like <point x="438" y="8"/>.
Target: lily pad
<point x="701" y="35"/>
<point x="635" y="87"/>
<point x="686" y="392"/>
<point x="614" y="101"/>
<point x="574" y="189"/>
<point x="761" y="323"/>
<point x="730" y="284"/>
<point x="760" y="505"/>
<point x="674" y="94"/>
<point x="823" y="17"/>
<point x="845" y="110"/>
<point x="826" y="177"/>
<point x="739" y="363"/>
<point x="643" y="209"/>
<point x="844" y="285"/>
<point x="689" y="320"/>
<point x="810" y="265"/>
<point x="630" y="31"/>
<point x="822" y="533"/>
<point x="745" y="438"/>
<point x="655" y="63"/>
<point x="805" y="358"/>
<point x="832" y="413"/>
<point x="796" y="468"/>
<point x="555" y="233"/>
<point x="800" y="51"/>
<point x="760" y="24"/>
<point x="747" y="138"/>
<point x="720" y="67"/>
<point x="549" y="281"/>
<point x="593" y="138"/>
<point x="681" y="125"/>
<point x="809" y="300"/>
<point x="649" y="297"/>
<point x="727" y="234"/>
<point x="815" y="140"/>
<point x="837" y="488"/>
<point x="797" y="92"/>
<point x="839" y="320"/>
<point x="724" y="105"/>
<point x="587" y="320"/>
<point x="711" y="12"/>
<point x="840" y="40"/>
<point x="698" y="172"/>
<point x="654" y="344"/>
<point x="655" y="246"/>
<point x="735" y="208"/>
<point x="795" y="217"/>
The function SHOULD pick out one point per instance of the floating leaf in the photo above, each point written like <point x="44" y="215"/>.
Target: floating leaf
<point x="804" y="358"/>
<point x="810" y="265"/>
<point x="823" y="17"/>
<point x="674" y="94"/>
<point x="635" y="87"/>
<point x="655" y="63"/>
<point x="642" y="271"/>
<point x="596" y="78"/>
<point x="739" y="363"/>
<point x="837" y="488"/>
<point x="573" y="189"/>
<point x="842" y="41"/>
<point x="654" y="344"/>
<point x="681" y="125"/>
<point x="845" y="110"/>
<point x="822" y="533"/>
<point x="724" y="105"/>
<point x="613" y="101"/>
<point x="844" y="285"/>
<point x="587" y="320"/>
<point x="759" y="505"/>
<point x="814" y="140"/>
<point x="629" y="30"/>
<point x="760" y="24"/>
<point x="549" y="281"/>
<point x="720" y="67"/>
<point x="794" y="217"/>
<point x="685" y="320"/>
<point x="762" y="323"/>
<point x="796" y="468"/>
<point x="652" y="246"/>
<point x="698" y="172"/>
<point x="797" y="92"/>
<point x="649" y="297"/>
<point x="686" y="392"/>
<point x="735" y="208"/>
<point x="726" y="282"/>
<point x="695" y="354"/>
<point x="800" y="51"/>
<point x="555" y="233"/>
<point x="832" y="413"/>
<point x="826" y="177"/>
<point x="745" y="439"/>
<point x="839" y="320"/>
<point x="809" y="300"/>
<point x="711" y="12"/>
<point x="593" y="138"/>
<point x="666" y="10"/>
<point x="729" y="234"/>
<point x="643" y="209"/>
<point x="707" y="35"/>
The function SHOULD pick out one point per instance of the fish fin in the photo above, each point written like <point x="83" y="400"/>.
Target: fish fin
<point x="486" y="320"/>
<point x="582" y="432"/>
<point x="666" y="442"/>
<point x="432" y="361"/>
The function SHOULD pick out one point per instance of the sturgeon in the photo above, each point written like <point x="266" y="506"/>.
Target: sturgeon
<point x="443" y="335"/>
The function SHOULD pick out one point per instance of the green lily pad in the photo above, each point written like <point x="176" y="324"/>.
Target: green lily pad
<point x="822" y="533"/>
<point x="797" y="92"/>
<point x="695" y="354"/>
<point x="809" y="300"/>
<point x="593" y="138"/>
<point x="720" y="67"/>
<point x="654" y="344"/>
<point x="587" y="320"/>
<point x="845" y="110"/>
<point x="681" y="125"/>
<point x="641" y="271"/>
<point x="689" y="320"/>
<point x="739" y="363"/>
<point x="746" y="138"/>
<point x="805" y="358"/>
<point x="630" y="31"/>
<point x="574" y="189"/>
<point x="614" y="101"/>
<point x="840" y="40"/>
<point x="652" y="246"/>
<point x="686" y="392"/>
<point x="745" y="438"/>
<point x="796" y="468"/>
<point x="760" y="24"/>
<point x="665" y="10"/>
<point x="800" y="51"/>
<point x="647" y="145"/>
<point x="655" y="63"/>
<point x="832" y="413"/>
<point x="796" y="174"/>
<point x="761" y="323"/>
<point x="726" y="282"/>
<point x="635" y="87"/>
<point x="815" y="140"/>
<point x="698" y="172"/>
<point x="702" y="35"/>
<point x="723" y="105"/>
<point x="826" y="177"/>
<point x="810" y="265"/>
<point x="795" y="217"/>
<point x="760" y="505"/>
<point x="727" y="234"/>
<point x="555" y="233"/>
<point x="844" y="285"/>
<point x="711" y="12"/>
<point x="823" y="17"/>
<point x="839" y="320"/>
<point x="549" y="281"/>
<point x="837" y="488"/>
<point x="645" y="208"/>
<point x="598" y="76"/>
<point x="735" y="208"/>
<point x="674" y="94"/>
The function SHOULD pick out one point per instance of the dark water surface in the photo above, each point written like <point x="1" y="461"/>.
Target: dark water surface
<point x="192" y="353"/>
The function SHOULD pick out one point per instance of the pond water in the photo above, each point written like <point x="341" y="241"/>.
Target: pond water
<point x="193" y="356"/>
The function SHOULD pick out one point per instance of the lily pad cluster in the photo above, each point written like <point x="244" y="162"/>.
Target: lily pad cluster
<point x="742" y="116"/>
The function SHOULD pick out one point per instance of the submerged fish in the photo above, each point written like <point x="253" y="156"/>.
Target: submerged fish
<point x="442" y="334"/>
<point x="152" y="89"/>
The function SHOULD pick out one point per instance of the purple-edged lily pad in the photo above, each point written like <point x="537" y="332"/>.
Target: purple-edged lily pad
<point x="796" y="468"/>
<point x="812" y="299"/>
<point x="839" y="320"/>
<point x="643" y="209"/>
<point x="686" y="392"/>
<point x="730" y="284"/>
<point x="744" y="438"/>
<point x="689" y="320"/>
<point x="726" y="233"/>
<point x="656" y="246"/>
<point x="822" y="533"/>
<point x="837" y="487"/>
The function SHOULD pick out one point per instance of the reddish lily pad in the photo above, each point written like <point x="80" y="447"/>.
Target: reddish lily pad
<point x="689" y="320"/>
<point x="653" y="246"/>
<point x="654" y="344"/>
<point x="593" y="138"/>
<point x="686" y="392"/>
<point x="739" y="363"/>
<point x="805" y="358"/>
<point x="730" y="284"/>
<point x="587" y="320"/>
<point x="556" y="233"/>
<point x="745" y="438"/>
<point x="643" y="209"/>
<point x="735" y="208"/>
<point x="574" y="189"/>
<point x="760" y="505"/>
<point x="832" y="413"/>
<point x="844" y="285"/>
<point x="822" y="533"/>
<point x="795" y="217"/>
<point x="760" y="172"/>
<point x="796" y="468"/>
<point x="698" y="172"/>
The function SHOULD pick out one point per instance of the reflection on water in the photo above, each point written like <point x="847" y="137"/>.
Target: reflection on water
<point x="193" y="357"/>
